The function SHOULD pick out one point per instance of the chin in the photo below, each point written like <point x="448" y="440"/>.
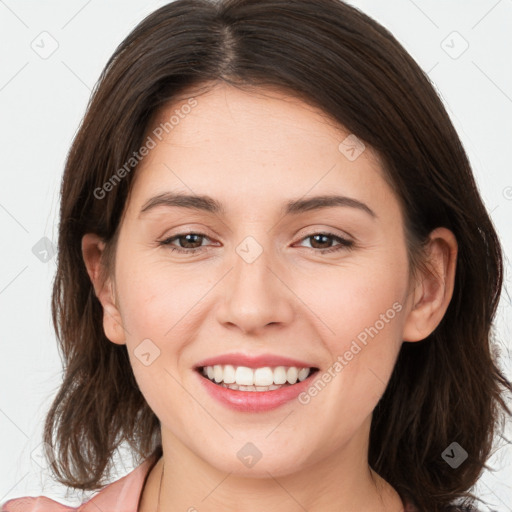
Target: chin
<point x="253" y="462"/>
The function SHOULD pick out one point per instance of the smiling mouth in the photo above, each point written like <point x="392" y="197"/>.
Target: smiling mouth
<point x="243" y="378"/>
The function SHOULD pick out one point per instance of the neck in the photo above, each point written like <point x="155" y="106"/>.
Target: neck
<point x="336" y="483"/>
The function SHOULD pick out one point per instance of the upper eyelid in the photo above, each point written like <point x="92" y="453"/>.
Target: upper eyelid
<point x="306" y="231"/>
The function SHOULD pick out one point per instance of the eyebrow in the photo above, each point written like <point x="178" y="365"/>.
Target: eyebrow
<point x="293" y="207"/>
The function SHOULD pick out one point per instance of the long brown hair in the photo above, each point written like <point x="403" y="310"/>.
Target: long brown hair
<point x="446" y="388"/>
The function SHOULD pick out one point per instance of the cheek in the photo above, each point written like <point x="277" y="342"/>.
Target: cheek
<point x="156" y="299"/>
<point x="366" y="344"/>
<point x="156" y="307"/>
<point x="361" y="314"/>
<point x="354" y="302"/>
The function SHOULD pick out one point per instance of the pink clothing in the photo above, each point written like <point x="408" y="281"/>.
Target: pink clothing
<point x="120" y="496"/>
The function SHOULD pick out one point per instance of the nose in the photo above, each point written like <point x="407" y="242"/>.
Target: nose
<point x="254" y="295"/>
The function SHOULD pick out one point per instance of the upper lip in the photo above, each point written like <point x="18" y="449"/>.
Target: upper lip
<point x="259" y="361"/>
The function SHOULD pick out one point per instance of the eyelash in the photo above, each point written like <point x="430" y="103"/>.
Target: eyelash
<point x="343" y="243"/>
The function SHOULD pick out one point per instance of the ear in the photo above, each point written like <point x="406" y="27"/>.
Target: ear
<point x="433" y="290"/>
<point x="92" y="251"/>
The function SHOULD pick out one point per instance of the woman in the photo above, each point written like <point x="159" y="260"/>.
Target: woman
<point x="276" y="277"/>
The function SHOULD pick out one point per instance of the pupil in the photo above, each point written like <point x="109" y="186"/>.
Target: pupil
<point x="325" y="237"/>
<point x="187" y="239"/>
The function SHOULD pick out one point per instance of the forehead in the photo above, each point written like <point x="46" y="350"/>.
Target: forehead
<point x="266" y="119"/>
<point x="259" y="145"/>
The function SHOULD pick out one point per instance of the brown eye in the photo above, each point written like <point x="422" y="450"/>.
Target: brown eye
<point x="187" y="242"/>
<point x="320" y="241"/>
<point x="323" y="242"/>
<point x="190" y="241"/>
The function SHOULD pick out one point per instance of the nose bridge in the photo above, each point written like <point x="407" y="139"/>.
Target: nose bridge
<point x="255" y="296"/>
<point x="251" y="265"/>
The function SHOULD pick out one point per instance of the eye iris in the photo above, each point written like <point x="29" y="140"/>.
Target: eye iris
<point x="326" y="240"/>
<point x="188" y="242"/>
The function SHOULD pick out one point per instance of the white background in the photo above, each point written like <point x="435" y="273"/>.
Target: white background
<point x="43" y="100"/>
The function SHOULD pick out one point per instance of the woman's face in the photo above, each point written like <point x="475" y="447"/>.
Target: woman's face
<point x="259" y="277"/>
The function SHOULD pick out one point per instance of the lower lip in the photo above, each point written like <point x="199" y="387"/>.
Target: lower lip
<point x="255" y="401"/>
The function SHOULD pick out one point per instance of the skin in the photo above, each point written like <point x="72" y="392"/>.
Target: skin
<point x="252" y="152"/>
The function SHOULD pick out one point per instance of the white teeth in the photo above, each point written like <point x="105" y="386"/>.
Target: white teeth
<point x="280" y="375"/>
<point x="218" y="373"/>
<point x="303" y="373"/>
<point x="251" y="388"/>
<point x="244" y="376"/>
<point x="258" y="379"/>
<point x="229" y="374"/>
<point x="263" y="376"/>
<point x="292" y="374"/>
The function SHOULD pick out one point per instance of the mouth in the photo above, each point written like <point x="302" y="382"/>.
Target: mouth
<point x="258" y="380"/>
<point x="255" y="383"/>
